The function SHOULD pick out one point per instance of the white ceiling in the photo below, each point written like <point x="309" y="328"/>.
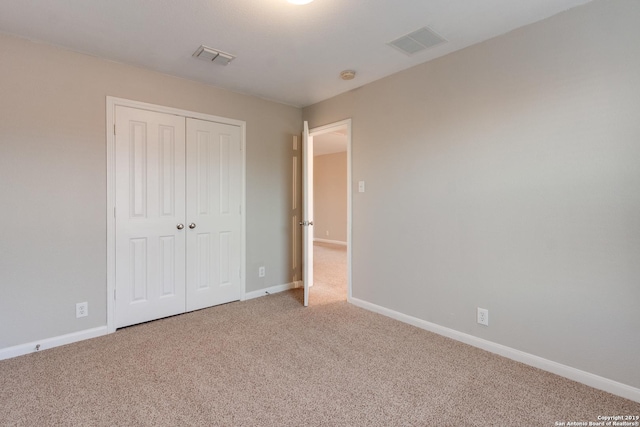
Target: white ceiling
<point x="287" y="53"/>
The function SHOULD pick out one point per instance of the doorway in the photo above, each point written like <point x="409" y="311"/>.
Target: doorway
<point x="327" y="217"/>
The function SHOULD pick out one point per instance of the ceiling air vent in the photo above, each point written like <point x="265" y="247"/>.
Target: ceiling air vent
<point x="417" y="41"/>
<point x="212" y="55"/>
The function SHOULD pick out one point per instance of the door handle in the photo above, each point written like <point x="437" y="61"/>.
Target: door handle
<point x="192" y="225"/>
<point x="180" y="226"/>
<point x="306" y="223"/>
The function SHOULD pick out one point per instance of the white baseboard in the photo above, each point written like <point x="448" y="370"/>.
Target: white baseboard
<point x="22" y="349"/>
<point x="271" y="290"/>
<point x="592" y="380"/>
<point x="334" y="242"/>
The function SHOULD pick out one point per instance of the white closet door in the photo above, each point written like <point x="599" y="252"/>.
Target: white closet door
<point x="150" y="207"/>
<point x="214" y="184"/>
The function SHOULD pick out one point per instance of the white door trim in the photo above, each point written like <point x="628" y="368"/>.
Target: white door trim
<point x="112" y="103"/>
<point x="333" y="127"/>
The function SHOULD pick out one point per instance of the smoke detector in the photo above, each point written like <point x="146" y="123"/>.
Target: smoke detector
<point x="347" y="75"/>
<point x="213" y="55"/>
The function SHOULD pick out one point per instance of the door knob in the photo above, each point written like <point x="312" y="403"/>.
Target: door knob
<point x="180" y="226"/>
<point x="192" y="225"/>
<point x="310" y="222"/>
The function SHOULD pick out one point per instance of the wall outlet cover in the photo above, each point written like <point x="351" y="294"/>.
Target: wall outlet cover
<point x="82" y="309"/>
<point x="483" y="316"/>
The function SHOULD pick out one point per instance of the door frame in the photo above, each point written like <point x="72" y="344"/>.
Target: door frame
<point x="112" y="103"/>
<point x="343" y="125"/>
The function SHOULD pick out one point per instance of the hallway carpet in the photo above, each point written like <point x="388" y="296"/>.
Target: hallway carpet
<point x="330" y="274"/>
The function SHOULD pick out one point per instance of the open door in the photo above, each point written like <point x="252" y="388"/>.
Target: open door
<point x="307" y="212"/>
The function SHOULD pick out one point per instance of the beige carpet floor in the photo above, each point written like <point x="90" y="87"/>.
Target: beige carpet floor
<point x="271" y="362"/>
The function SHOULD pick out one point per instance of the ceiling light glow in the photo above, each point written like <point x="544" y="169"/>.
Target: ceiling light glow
<point x="299" y="1"/>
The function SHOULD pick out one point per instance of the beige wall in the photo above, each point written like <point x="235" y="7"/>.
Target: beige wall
<point x="505" y="176"/>
<point x="330" y="196"/>
<point x="53" y="181"/>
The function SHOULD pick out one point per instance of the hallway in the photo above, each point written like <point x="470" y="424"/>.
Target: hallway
<point x="330" y="274"/>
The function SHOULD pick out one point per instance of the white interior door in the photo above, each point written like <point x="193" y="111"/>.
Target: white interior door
<point x="307" y="212"/>
<point x="214" y="180"/>
<point x="150" y="215"/>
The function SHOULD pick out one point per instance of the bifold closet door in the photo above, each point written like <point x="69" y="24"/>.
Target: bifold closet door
<point x="214" y="192"/>
<point x="150" y="215"/>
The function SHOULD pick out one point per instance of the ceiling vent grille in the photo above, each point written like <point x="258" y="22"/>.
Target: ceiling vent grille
<point x="417" y="41"/>
<point x="212" y="55"/>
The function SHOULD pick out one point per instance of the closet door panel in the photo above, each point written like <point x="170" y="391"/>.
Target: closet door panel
<point x="150" y="203"/>
<point x="214" y="172"/>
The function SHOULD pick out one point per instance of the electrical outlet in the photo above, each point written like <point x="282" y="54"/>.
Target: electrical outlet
<point x="261" y="272"/>
<point x="82" y="309"/>
<point x="483" y="316"/>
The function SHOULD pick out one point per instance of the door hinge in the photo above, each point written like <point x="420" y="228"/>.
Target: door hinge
<point x="114" y="128"/>
<point x="114" y="211"/>
<point x="114" y="294"/>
